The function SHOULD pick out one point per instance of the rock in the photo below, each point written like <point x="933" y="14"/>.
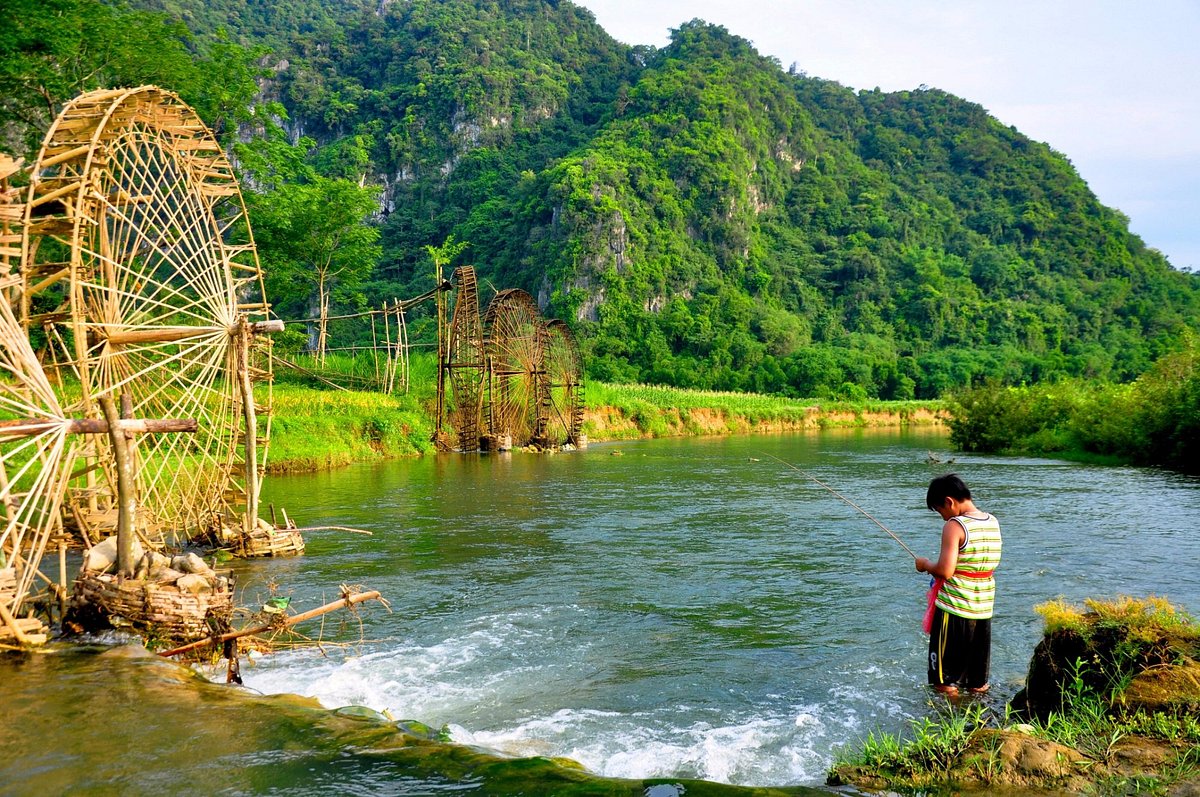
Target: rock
<point x="360" y="713"/>
<point x="1185" y="788"/>
<point x="103" y="557"/>
<point x="190" y="563"/>
<point x="165" y="575"/>
<point x="194" y="583"/>
<point x="1028" y="760"/>
<point x="1170" y="688"/>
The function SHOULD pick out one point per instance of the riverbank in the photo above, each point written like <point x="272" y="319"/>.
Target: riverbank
<point x="315" y="429"/>
<point x="1111" y="705"/>
<point x="1154" y="420"/>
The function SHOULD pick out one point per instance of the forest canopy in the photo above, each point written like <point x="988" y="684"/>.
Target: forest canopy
<point x="702" y="217"/>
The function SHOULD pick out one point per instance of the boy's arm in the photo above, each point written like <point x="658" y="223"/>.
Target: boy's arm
<point x="952" y="538"/>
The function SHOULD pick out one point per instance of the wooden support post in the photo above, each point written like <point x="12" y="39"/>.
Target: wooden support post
<point x="375" y="353"/>
<point x="126" y="486"/>
<point x="251" y="437"/>
<point x="404" y="374"/>
<point x="11" y="622"/>
<point x="62" y="577"/>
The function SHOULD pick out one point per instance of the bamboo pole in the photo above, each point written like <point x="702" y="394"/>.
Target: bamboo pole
<point x="345" y="602"/>
<point x="11" y="622"/>
<point x="404" y="372"/>
<point x="126" y="486"/>
<point x="28" y="427"/>
<point x="337" y="528"/>
<point x="375" y="351"/>
<point x="251" y="437"/>
<point x="389" y="364"/>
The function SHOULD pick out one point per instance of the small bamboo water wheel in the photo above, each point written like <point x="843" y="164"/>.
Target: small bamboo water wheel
<point x="562" y="392"/>
<point x="140" y="271"/>
<point x="465" y="364"/>
<point x="514" y="348"/>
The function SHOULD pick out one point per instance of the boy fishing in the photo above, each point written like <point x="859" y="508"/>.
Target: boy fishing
<point x="959" y="622"/>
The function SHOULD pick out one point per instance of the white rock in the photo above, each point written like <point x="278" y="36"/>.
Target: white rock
<point x="103" y="557"/>
<point x="190" y="563"/>
<point x="193" y="583"/>
<point x="165" y="575"/>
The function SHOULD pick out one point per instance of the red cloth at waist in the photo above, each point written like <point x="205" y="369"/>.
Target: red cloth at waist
<point x="936" y="587"/>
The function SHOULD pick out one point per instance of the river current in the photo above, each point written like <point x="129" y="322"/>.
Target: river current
<point x="684" y="608"/>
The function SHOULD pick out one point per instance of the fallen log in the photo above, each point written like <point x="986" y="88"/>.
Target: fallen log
<point x="347" y="600"/>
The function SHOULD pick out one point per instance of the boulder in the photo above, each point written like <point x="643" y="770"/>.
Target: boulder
<point x="103" y="557"/>
<point x="194" y="583"/>
<point x="165" y="575"/>
<point x="190" y="563"/>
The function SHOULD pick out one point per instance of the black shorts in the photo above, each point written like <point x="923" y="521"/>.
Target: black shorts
<point x="960" y="651"/>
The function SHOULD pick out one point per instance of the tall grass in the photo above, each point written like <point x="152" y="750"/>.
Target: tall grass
<point x="314" y="428"/>
<point x="656" y="410"/>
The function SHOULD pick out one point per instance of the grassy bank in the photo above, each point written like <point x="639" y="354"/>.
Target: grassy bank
<point x="316" y="428"/>
<point x="1152" y="421"/>
<point x="1112" y="706"/>
<point x="618" y="412"/>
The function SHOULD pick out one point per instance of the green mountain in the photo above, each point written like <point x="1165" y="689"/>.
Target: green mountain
<point x="702" y="217"/>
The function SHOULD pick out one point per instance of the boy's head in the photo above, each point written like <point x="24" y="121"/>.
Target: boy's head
<point x="943" y="487"/>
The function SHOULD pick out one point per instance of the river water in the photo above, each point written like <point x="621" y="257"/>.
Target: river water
<point x="676" y="609"/>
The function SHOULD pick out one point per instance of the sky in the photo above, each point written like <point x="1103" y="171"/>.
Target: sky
<point x="1112" y="85"/>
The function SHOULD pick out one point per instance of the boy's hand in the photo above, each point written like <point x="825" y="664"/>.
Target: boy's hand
<point x="922" y="564"/>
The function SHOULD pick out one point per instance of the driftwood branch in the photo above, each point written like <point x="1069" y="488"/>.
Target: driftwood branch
<point x="345" y="602"/>
<point x="336" y="528"/>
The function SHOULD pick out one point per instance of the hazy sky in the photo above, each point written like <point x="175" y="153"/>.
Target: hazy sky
<point x="1112" y="84"/>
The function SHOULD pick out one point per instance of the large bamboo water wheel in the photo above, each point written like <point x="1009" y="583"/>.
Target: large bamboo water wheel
<point x="36" y="450"/>
<point x="514" y="348"/>
<point x="465" y="360"/>
<point x="562" y="373"/>
<point x="140" y="271"/>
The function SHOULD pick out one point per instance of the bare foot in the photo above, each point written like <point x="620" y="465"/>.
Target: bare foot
<point x="979" y="690"/>
<point x="950" y="690"/>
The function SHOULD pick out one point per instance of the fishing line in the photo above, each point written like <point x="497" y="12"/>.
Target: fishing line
<point x="808" y="475"/>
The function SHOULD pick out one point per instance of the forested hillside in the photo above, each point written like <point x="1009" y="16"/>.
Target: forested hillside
<point x="701" y="216"/>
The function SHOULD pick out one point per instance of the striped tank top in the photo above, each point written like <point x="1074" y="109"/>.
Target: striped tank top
<point x="971" y="591"/>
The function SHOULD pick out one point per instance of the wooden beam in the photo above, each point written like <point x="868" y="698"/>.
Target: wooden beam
<point x="28" y="427"/>
<point x="156" y="335"/>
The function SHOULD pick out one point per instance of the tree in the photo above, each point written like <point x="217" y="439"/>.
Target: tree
<point x="314" y="240"/>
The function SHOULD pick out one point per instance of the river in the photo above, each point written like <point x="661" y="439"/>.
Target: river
<point x="682" y="608"/>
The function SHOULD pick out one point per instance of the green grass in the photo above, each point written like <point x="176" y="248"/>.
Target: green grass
<point x="316" y="429"/>
<point x="658" y="411"/>
<point x="316" y="426"/>
<point x="1091" y="720"/>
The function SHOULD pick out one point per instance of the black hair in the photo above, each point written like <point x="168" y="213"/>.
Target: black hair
<point x="943" y="487"/>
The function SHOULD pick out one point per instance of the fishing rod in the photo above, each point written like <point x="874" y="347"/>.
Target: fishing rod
<point x="808" y="475"/>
